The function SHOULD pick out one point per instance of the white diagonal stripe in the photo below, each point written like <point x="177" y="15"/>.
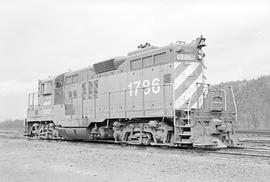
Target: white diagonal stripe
<point x="188" y="93"/>
<point x="183" y="76"/>
<point x="176" y="64"/>
<point x="200" y="101"/>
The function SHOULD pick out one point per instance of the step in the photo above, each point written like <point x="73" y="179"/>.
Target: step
<point x="184" y="142"/>
<point x="182" y="126"/>
<point x="161" y="144"/>
<point x="185" y="118"/>
<point x="216" y="133"/>
<point x="185" y="126"/>
<point x="185" y="134"/>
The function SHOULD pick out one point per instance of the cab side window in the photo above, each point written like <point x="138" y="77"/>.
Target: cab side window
<point x="75" y="78"/>
<point x="69" y="80"/>
<point x="72" y="79"/>
<point x="46" y="88"/>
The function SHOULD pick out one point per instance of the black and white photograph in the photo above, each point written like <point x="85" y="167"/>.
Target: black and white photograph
<point x="134" y="91"/>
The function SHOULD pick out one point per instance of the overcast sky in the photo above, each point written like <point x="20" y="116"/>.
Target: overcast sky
<point x="42" y="38"/>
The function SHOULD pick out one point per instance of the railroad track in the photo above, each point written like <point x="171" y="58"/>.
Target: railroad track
<point x="244" y="152"/>
<point x="252" y="151"/>
<point x="256" y="146"/>
<point x="238" y="151"/>
<point x="257" y="132"/>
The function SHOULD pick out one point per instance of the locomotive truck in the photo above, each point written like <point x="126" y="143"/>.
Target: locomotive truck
<point x="152" y="96"/>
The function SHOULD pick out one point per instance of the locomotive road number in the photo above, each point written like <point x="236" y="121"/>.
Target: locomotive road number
<point x="145" y="85"/>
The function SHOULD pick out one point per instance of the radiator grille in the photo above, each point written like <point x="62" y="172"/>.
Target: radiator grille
<point x="104" y="66"/>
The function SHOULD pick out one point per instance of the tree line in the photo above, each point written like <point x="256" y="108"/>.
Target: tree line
<point x="253" y="102"/>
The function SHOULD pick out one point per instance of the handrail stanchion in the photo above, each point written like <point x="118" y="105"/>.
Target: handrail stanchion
<point x="33" y="98"/>
<point x="125" y="103"/>
<point x="29" y="96"/>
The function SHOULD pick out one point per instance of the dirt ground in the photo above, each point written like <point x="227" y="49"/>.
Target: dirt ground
<point x="24" y="159"/>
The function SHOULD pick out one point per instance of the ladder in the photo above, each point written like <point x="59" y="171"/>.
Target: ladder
<point x="183" y="130"/>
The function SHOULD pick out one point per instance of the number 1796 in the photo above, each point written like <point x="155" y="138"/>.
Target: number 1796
<point x="145" y="85"/>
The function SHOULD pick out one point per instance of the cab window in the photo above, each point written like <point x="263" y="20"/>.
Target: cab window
<point x="72" y="79"/>
<point x="69" y="80"/>
<point x="46" y="88"/>
<point x="75" y="78"/>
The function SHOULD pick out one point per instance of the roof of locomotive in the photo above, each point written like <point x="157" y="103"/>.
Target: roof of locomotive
<point x="114" y="62"/>
<point x="185" y="47"/>
<point x="178" y="46"/>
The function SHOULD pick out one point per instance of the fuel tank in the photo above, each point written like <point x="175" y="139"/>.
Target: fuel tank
<point x="86" y="134"/>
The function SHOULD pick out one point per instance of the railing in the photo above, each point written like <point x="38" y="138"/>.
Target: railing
<point x="33" y="99"/>
<point x="125" y="102"/>
<point x="228" y="99"/>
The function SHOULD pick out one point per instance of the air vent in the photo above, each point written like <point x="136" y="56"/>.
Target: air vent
<point x="104" y="66"/>
<point x="167" y="78"/>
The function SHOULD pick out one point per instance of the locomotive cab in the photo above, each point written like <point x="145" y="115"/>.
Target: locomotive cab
<point x="41" y="101"/>
<point x="39" y="112"/>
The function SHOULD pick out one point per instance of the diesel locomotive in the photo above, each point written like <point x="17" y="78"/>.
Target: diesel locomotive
<point x="153" y="96"/>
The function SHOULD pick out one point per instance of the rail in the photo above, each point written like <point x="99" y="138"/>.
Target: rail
<point x="258" y="132"/>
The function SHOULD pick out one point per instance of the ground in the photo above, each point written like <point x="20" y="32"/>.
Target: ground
<point x="24" y="159"/>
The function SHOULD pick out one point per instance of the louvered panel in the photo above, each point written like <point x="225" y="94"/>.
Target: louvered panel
<point x="104" y="66"/>
<point x="167" y="78"/>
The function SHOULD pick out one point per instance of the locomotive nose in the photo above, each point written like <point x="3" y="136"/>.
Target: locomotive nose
<point x="186" y="88"/>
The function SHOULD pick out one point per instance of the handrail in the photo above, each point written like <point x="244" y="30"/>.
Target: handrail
<point x="234" y="103"/>
<point x="225" y="99"/>
<point x="31" y="99"/>
<point x="189" y="109"/>
<point x="108" y="96"/>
